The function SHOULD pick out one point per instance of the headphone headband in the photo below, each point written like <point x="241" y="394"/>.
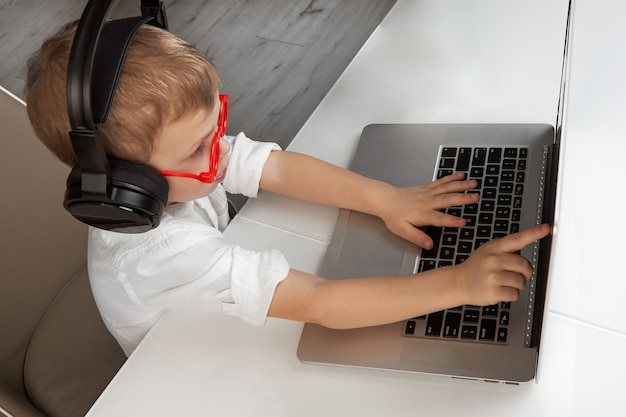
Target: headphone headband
<point x="84" y="55"/>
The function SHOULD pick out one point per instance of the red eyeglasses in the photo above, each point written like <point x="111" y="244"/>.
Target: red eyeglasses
<point x="214" y="154"/>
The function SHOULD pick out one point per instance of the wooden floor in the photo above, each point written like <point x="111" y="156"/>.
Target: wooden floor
<point x="277" y="58"/>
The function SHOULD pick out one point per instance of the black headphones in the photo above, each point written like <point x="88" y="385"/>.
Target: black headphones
<point x="108" y="194"/>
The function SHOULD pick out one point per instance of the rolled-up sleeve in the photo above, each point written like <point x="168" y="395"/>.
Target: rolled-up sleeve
<point x="254" y="278"/>
<point x="247" y="159"/>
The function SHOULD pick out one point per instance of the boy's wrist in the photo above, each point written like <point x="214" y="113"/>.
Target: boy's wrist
<point x="458" y="287"/>
<point x="455" y="290"/>
<point x="382" y="200"/>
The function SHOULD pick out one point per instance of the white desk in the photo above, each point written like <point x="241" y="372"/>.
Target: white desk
<point x="432" y="61"/>
<point x="429" y="61"/>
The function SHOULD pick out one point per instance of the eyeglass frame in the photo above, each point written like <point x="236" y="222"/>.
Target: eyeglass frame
<point x="214" y="151"/>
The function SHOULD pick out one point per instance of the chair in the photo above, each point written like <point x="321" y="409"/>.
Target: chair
<point x="56" y="356"/>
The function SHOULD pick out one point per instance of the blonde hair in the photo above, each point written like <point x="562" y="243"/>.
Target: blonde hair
<point x="163" y="79"/>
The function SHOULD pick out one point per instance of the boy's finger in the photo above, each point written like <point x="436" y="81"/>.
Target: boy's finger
<point x="458" y="176"/>
<point x="517" y="241"/>
<point x="420" y="238"/>
<point x="453" y="184"/>
<point x="412" y="234"/>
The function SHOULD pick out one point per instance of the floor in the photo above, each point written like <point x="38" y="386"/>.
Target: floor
<point x="277" y="58"/>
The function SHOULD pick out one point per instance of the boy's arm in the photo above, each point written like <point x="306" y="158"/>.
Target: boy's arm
<point x="403" y="209"/>
<point x="492" y="274"/>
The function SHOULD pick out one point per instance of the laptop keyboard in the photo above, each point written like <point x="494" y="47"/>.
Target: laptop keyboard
<point x="500" y="173"/>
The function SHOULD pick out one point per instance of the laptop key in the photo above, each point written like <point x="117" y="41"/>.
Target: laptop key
<point x="483" y="231"/>
<point x="447" y="253"/>
<point x="491" y="181"/>
<point x="506" y="188"/>
<point x="444" y="173"/>
<point x="469" y="332"/>
<point x="523" y="153"/>
<point x="470" y="209"/>
<point x="465" y="247"/>
<point x="471" y="316"/>
<point x="448" y="152"/>
<point x="460" y="259"/>
<point x="490" y="193"/>
<point x="477" y="172"/>
<point x="508" y="176"/>
<point x="480" y="155"/>
<point x="434" y="323"/>
<point x="485" y="218"/>
<point x="493" y="169"/>
<point x="505" y="200"/>
<point x="503" y="212"/>
<point x="451" y="325"/>
<point x="510" y="152"/>
<point x="508" y="164"/>
<point x="449" y="239"/>
<point x="495" y="155"/>
<point x="435" y="235"/>
<point x="501" y="226"/>
<point x="487" y="205"/>
<point x="446" y="163"/>
<point x="503" y="333"/>
<point x="487" y="330"/>
<point x="427" y="265"/>
<point x="479" y="242"/>
<point x="470" y="221"/>
<point x="491" y="310"/>
<point x="409" y="329"/>
<point x="504" y="318"/>
<point x="466" y="233"/>
<point x="463" y="160"/>
<point x="454" y="211"/>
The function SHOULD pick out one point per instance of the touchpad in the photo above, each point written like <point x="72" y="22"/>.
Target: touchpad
<point x="368" y="242"/>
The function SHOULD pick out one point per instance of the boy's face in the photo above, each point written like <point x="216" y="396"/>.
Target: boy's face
<point x="184" y="146"/>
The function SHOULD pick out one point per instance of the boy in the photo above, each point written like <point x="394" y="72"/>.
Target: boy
<point x="167" y="113"/>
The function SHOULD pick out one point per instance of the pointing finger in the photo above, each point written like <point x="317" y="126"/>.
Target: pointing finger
<point x="517" y="241"/>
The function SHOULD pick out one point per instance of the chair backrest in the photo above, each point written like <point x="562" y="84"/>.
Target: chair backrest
<point x="56" y="356"/>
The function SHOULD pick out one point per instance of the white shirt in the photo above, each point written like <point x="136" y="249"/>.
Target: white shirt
<point x="185" y="261"/>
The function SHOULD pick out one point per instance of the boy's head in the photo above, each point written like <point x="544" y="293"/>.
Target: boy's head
<point x="163" y="80"/>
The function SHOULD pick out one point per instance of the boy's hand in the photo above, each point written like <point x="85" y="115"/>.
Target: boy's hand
<point x="418" y="206"/>
<point x="495" y="272"/>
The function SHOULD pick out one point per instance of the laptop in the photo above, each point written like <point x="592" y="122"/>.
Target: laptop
<point x="516" y="168"/>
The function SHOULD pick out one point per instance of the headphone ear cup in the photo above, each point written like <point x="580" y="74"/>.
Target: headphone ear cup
<point x="136" y="197"/>
<point x="143" y="177"/>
